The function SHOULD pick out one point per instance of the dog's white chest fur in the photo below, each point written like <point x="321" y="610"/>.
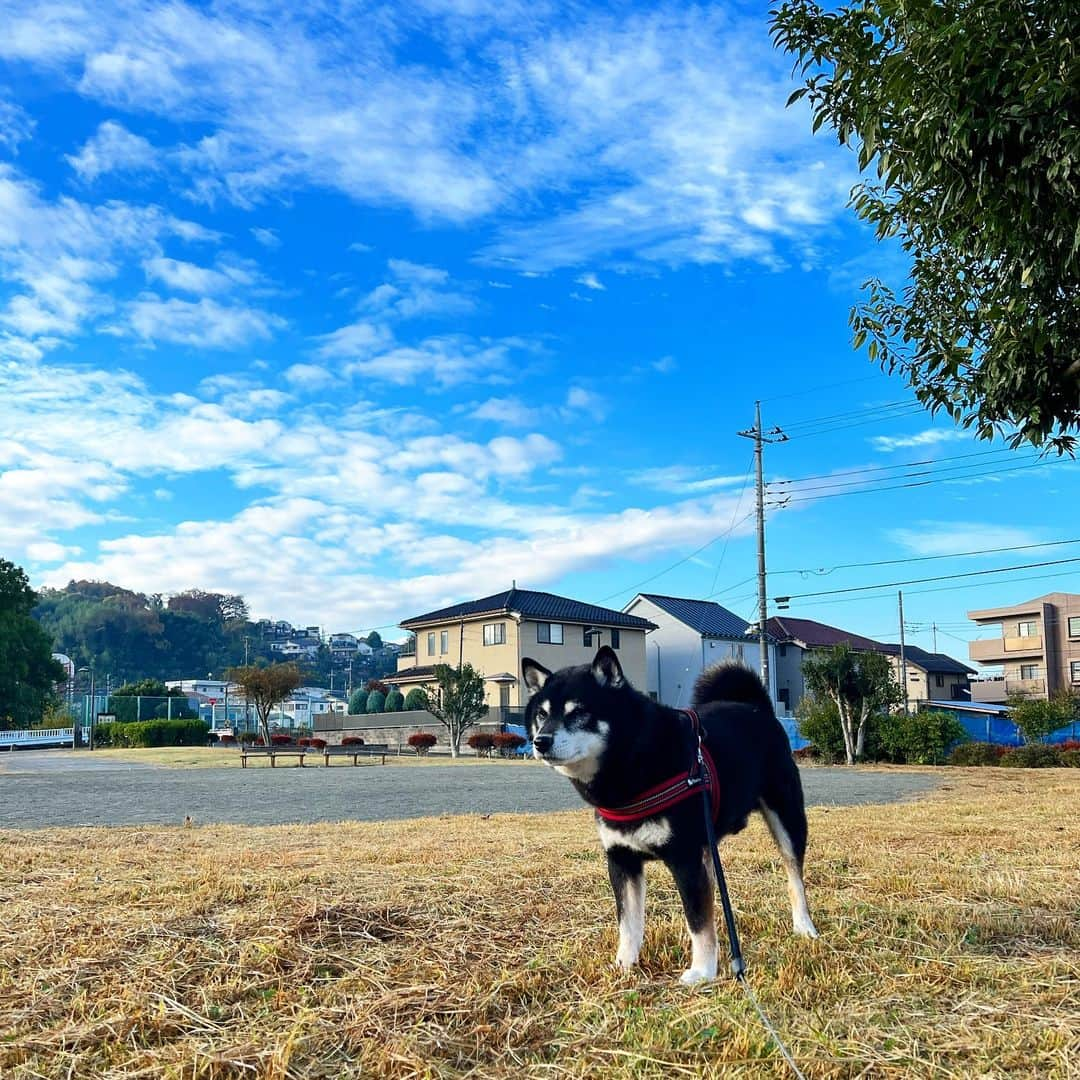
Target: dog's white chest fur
<point x="646" y="838"/>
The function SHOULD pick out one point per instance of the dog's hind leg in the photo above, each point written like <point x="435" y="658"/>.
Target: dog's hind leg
<point x="787" y="823"/>
<point x="693" y="877"/>
<point x="626" y="872"/>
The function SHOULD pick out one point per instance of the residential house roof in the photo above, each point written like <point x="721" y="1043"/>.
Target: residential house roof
<point x="414" y="674"/>
<point x="542" y="606"/>
<point x="705" y="616"/>
<point x="928" y="661"/>
<point x="817" y="635"/>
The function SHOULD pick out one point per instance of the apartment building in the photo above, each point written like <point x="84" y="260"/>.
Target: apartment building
<point x="1034" y="648"/>
<point x="494" y="633"/>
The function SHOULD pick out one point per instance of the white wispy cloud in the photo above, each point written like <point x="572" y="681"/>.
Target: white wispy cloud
<point x="204" y="323"/>
<point x="934" y="537"/>
<point x="112" y="148"/>
<point x="929" y="437"/>
<point x="267" y="237"/>
<point x="590" y="281"/>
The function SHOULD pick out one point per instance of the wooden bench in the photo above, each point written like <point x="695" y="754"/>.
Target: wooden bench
<point x="371" y="750"/>
<point x="273" y="753"/>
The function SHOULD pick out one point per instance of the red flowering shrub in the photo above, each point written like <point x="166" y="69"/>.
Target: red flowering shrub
<point x="506" y="742"/>
<point x="314" y="743"/>
<point x="352" y="740"/>
<point x="482" y="742"/>
<point x="227" y="740"/>
<point x="281" y="739"/>
<point x="422" y="742"/>
<point x="305" y="741"/>
<point x="806" y="753"/>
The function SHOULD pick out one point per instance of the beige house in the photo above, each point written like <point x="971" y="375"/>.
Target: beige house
<point x="1036" y="646"/>
<point x="496" y="632"/>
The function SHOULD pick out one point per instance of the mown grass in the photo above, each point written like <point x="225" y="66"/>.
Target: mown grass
<point x="467" y="947"/>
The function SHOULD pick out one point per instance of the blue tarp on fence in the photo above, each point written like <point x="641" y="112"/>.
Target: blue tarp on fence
<point x="989" y="723"/>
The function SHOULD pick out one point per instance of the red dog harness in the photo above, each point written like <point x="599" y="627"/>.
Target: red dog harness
<point x="674" y="791"/>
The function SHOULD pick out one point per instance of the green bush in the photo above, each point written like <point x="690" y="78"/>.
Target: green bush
<point x="919" y="739"/>
<point x="976" y="753"/>
<point x="394" y="701"/>
<point x="1070" y="758"/>
<point x="152" y="733"/>
<point x="1032" y="756"/>
<point x="819" y="722"/>
<point x="376" y="701"/>
<point x="358" y="702"/>
<point x="416" y="699"/>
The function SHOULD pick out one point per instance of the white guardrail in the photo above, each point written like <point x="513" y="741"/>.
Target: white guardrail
<point x="39" y="737"/>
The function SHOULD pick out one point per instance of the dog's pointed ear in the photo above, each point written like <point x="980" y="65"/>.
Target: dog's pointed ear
<point x="535" y="675"/>
<point x="606" y="668"/>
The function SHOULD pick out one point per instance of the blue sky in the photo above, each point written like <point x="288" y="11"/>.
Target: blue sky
<point x="359" y="310"/>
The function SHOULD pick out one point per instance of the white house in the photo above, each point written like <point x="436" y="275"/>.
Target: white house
<point x="690" y="636"/>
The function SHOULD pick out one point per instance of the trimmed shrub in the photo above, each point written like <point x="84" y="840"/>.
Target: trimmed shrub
<point x="280" y="739"/>
<point x="416" y="699"/>
<point x="482" y="742"/>
<point x="152" y="733"/>
<point x="507" y="743"/>
<point x="352" y="740"/>
<point x="1070" y="759"/>
<point x="303" y="741"/>
<point x="422" y="742"/>
<point x="376" y="701"/>
<point x="1032" y="756"/>
<point x="976" y="753"/>
<point x="227" y="740"/>
<point x="920" y="739"/>
<point x="250" y="737"/>
<point x="358" y="702"/>
<point x="316" y="743"/>
<point x="395" y="701"/>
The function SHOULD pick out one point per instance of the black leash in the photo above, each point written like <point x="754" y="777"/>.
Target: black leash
<point x="738" y="965"/>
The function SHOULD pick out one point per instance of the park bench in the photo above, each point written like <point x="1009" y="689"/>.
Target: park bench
<point x="271" y="752"/>
<point x="371" y="750"/>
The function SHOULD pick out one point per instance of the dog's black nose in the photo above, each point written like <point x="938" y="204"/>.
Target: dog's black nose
<point x="543" y="743"/>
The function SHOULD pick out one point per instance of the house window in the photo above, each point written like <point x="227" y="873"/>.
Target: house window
<point x="784" y="694"/>
<point x="586" y="637"/>
<point x="495" y="633"/>
<point x="431" y="643"/>
<point x="939" y="680"/>
<point x="1029" y="671"/>
<point x="1074" y="669"/>
<point x="615" y="639"/>
<point x="444" y="642"/>
<point x="1028" y="629"/>
<point x="1074" y="626"/>
<point x="549" y="633"/>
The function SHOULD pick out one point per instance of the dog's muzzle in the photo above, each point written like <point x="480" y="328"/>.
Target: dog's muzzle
<point x="543" y="744"/>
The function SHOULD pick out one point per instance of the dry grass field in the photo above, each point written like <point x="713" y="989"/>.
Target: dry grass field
<point x="468" y="947"/>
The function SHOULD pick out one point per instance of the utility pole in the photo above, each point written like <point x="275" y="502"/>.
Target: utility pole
<point x="760" y="438"/>
<point x="903" y="652"/>
<point x="933" y="627"/>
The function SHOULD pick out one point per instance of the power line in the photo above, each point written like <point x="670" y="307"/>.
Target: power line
<point x="865" y="419"/>
<point x="920" y="581"/>
<point x="847" y="414"/>
<point x="961" y="471"/>
<point x="898" y="465"/>
<point x="787" y="500"/>
<point x="931" y="558"/>
<point x="727" y="539"/>
<point x="816" y="389"/>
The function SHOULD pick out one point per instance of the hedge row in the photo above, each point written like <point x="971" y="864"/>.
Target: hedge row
<point x="1031" y="756"/>
<point x="151" y="733"/>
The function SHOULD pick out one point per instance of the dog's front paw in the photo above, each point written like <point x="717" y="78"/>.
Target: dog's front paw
<point x="804" y="927"/>
<point x="692" y="976"/>
<point x="625" y="961"/>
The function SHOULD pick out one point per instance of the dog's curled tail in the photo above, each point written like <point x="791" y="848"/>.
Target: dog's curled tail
<point x="730" y="681"/>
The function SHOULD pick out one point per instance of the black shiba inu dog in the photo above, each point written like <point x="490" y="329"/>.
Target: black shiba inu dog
<point x="616" y="745"/>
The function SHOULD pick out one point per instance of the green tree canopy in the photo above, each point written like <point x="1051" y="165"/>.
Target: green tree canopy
<point x="28" y="673"/>
<point x="966" y="111"/>
<point x="458" y="701"/>
<point x="1036" y="717"/>
<point x="859" y="684"/>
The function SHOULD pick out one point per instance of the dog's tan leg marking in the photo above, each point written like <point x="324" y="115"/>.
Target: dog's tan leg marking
<point x="800" y="913"/>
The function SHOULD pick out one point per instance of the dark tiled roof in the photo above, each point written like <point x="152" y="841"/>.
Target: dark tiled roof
<point x="816" y="635"/>
<point x="412" y="674"/>
<point x="532" y="605"/>
<point x="705" y="616"/>
<point x="929" y="661"/>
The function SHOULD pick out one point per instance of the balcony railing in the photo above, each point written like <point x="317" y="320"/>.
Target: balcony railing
<point x="995" y="650"/>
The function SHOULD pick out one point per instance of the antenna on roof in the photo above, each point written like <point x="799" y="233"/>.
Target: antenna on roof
<point x="513" y="583"/>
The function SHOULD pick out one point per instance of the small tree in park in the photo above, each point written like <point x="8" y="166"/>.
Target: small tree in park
<point x="358" y="702"/>
<point x="1036" y="718"/>
<point x="416" y="698"/>
<point x="266" y="687"/>
<point x="458" y="701"/>
<point x="858" y="683"/>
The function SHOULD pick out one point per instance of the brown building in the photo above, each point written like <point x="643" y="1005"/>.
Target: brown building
<point x="1036" y="646"/>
